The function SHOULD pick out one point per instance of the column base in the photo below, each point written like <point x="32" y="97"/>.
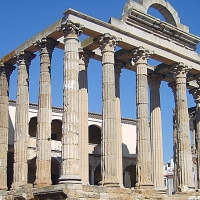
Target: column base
<point x="3" y="188"/>
<point x="186" y="189"/>
<point x="161" y="190"/>
<point x="85" y="183"/>
<point x="75" y="179"/>
<point x="109" y="184"/>
<point x="38" y="184"/>
<point x="148" y="186"/>
<point x="16" y="186"/>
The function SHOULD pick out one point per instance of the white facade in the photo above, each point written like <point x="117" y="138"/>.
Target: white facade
<point x="128" y="127"/>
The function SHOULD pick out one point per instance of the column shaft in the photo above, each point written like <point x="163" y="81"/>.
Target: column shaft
<point x="198" y="141"/>
<point x="92" y="177"/>
<point x="22" y="120"/>
<point x="118" y="66"/>
<point x="5" y="71"/>
<point x="172" y="85"/>
<point x="70" y="132"/>
<point x="143" y="167"/>
<point x="109" y="164"/>
<point x="156" y="131"/>
<point x="43" y="159"/>
<point x="196" y="94"/>
<point x="183" y="131"/>
<point x="84" y="56"/>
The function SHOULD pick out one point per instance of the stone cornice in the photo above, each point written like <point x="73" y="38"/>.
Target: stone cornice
<point x="163" y="28"/>
<point x="131" y="38"/>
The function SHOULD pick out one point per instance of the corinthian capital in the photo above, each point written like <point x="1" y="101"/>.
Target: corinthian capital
<point x="46" y="45"/>
<point x="154" y="79"/>
<point x="84" y="56"/>
<point x="107" y="42"/>
<point x="196" y="94"/>
<point x="7" y="69"/>
<point x="180" y="70"/>
<point x="24" y="57"/>
<point x="141" y="55"/>
<point x="70" y="28"/>
<point x="118" y="67"/>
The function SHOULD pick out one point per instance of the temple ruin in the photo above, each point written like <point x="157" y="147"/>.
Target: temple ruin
<point x="140" y="37"/>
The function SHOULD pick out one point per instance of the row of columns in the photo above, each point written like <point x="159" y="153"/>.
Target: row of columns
<point x="75" y="116"/>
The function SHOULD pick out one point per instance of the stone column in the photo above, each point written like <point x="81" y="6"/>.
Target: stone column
<point x="118" y="67"/>
<point x="22" y="120"/>
<point x="109" y="164"/>
<point x="196" y="94"/>
<point x="43" y="143"/>
<point x="84" y="56"/>
<point x="70" y="126"/>
<point x="127" y="179"/>
<point x="172" y="85"/>
<point x="183" y="131"/>
<point x="92" y="177"/>
<point x="156" y="131"/>
<point x="5" y="72"/>
<point x="143" y="167"/>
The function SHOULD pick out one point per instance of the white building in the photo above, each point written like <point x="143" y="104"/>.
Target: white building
<point x="94" y="146"/>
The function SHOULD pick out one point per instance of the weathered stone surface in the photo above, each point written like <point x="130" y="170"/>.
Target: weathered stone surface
<point x="196" y="94"/>
<point x="151" y="33"/>
<point x="172" y="85"/>
<point x="78" y="191"/>
<point x="84" y="56"/>
<point x="43" y="161"/>
<point x="118" y="68"/>
<point x="154" y="81"/>
<point x="70" y="126"/>
<point x="144" y="167"/>
<point x="109" y="163"/>
<point x="21" y="120"/>
<point x="183" y="131"/>
<point x="5" y="72"/>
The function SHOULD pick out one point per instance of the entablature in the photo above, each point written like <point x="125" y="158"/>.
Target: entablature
<point x="161" y="29"/>
<point x="164" y="50"/>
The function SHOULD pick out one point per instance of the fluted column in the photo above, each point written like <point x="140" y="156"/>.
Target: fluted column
<point x="109" y="164"/>
<point x="70" y="132"/>
<point x="22" y="120"/>
<point x="143" y="167"/>
<point x="92" y="176"/>
<point x="183" y="131"/>
<point x="43" y="143"/>
<point x="156" y="131"/>
<point x="5" y="72"/>
<point x="196" y="94"/>
<point x="118" y="67"/>
<point x="172" y="85"/>
<point x="84" y="56"/>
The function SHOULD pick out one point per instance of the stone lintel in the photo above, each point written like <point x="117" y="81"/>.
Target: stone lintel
<point x="95" y="27"/>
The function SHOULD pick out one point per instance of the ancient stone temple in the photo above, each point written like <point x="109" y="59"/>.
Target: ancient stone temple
<point x="49" y="157"/>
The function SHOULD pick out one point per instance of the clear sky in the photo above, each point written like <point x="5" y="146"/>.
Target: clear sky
<point x="22" y="19"/>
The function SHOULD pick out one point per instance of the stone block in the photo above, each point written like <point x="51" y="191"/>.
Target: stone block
<point x="70" y="193"/>
<point x="102" y="189"/>
<point x="93" y="195"/>
<point x="73" y="186"/>
<point x="104" y="196"/>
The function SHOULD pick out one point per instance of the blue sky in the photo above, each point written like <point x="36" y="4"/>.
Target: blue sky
<point x="22" y="19"/>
